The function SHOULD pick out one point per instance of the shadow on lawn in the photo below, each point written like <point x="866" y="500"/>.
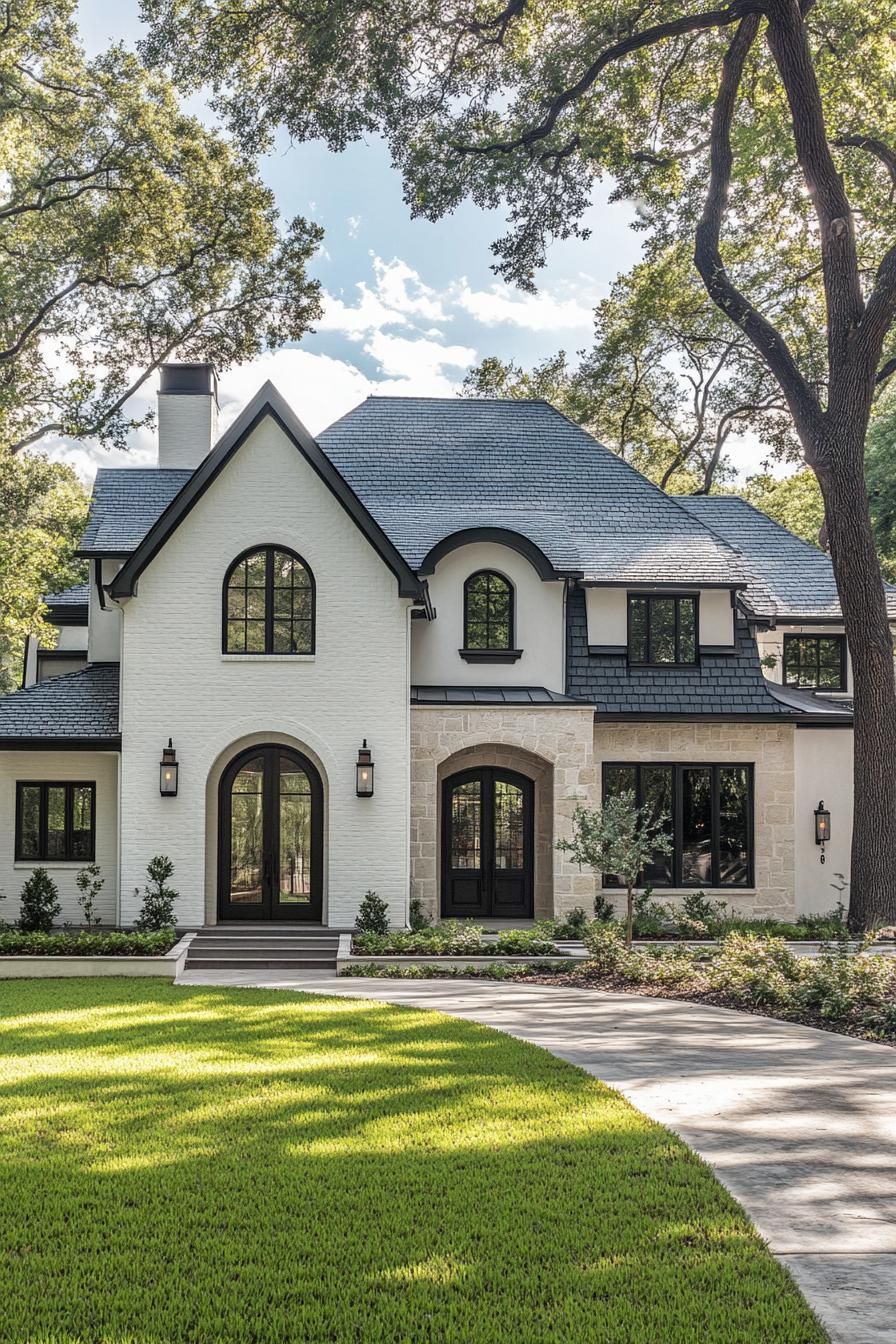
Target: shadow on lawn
<point x="244" y="1166"/>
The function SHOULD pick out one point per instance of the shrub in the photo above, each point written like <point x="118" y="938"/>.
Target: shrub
<point x="40" y="903"/>
<point x="417" y="916"/>
<point x="373" y="914"/>
<point x="452" y="939"/>
<point x="603" y="909"/>
<point x="755" y="970"/>
<point x="572" y="925"/>
<point x="90" y="884"/>
<point x="157" y="911"/>
<point x="522" y="942"/>
<point x="603" y="942"/>
<point x="83" y="944"/>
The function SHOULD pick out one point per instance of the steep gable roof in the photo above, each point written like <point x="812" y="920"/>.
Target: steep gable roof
<point x="427" y="467"/>
<point x="266" y="402"/>
<point x="125" y="503"/>
<point x="789" y="578"/>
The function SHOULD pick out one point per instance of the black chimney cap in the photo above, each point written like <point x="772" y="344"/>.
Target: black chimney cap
<point x="189" y="378"/>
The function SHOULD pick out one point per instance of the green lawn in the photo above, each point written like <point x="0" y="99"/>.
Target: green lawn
<point x="244" y="1165"/>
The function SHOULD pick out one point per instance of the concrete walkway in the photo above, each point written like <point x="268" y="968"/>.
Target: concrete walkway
<point x="799" y="1124"/>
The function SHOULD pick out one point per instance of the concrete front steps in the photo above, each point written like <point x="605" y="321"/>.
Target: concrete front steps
<point x="262" y="947"/>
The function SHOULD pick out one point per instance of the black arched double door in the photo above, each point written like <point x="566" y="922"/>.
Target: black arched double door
<point x="270" y="837"/>
<point x="487" y="845"/>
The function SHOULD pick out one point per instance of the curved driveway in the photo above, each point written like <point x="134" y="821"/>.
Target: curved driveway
<point x="799" y="1124"/>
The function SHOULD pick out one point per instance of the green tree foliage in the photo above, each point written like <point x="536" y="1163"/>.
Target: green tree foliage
<point x="129" y="232"/>
<point x="90" y="882"/>
<point x="880" y="477"/>
<point x="43" y="509"/>
<point x="619" y="838"/>
<point x="793" y="501"/>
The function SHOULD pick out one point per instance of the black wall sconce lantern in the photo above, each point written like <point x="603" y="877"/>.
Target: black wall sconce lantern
<point x="364" y="772"/>
<point x="168" y="772"/>
<point x="822" y="827"/>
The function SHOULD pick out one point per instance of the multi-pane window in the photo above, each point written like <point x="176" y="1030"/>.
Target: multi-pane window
<point x="662" y="629"/>
<point x="706" y="810"/>
<point x="269" y="604"/>
<point x="55" y="821"/>
<point x="815" y="662"/>
<point x="488" y="611"/>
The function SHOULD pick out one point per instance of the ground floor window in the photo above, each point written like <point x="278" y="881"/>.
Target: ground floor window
<point x="55" y="821"/>
<point x="707" y="811"/>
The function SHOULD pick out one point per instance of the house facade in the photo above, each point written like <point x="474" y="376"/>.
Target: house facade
<point x="398" y="656"/>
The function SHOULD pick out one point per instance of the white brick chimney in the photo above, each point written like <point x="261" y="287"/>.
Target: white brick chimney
<point x="188" y="414"/>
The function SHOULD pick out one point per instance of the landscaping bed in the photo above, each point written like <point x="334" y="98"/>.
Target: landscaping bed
<point x="840" y="990"/>
<point x="452" y="939"/>
<point x="80" y="943"/>
<point x="365" y="1174"/>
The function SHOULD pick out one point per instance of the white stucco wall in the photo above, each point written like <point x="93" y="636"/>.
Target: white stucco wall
<point x="823" y="761"/>
<point x="607" y="611"/>
<point x="716" y="617"/>
<point x="771" y="642"/>
<point x="177" y="683"/>
<point x="104" y="622"/>
<point x="538" y="629"/>
<point x="56" y="767"/>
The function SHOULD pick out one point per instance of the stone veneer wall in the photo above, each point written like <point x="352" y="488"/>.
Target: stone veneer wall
<point x="552" y="744"/>
<point x="770" y="748"/>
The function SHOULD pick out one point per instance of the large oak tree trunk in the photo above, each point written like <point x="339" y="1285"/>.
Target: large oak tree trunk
<point x="857" y="571"/>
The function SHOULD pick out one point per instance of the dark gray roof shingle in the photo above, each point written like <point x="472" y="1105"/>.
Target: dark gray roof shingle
<point x="730" y="684"/>
<point x="788" y="577"/>
<point x="126" y="502"/>
<point x="426" y="467"/>
<point x="76" y="596"/>
<point x="81" y="706"/>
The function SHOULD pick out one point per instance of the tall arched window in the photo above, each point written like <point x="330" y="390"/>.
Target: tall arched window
<point x="269" y="603"/>
<point x="488" y="611"/>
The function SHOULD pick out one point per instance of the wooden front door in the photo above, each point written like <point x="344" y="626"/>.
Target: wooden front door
<point x="270" y="837"/>
<point x="487" y="845"/>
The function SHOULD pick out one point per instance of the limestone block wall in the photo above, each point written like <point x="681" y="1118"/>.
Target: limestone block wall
<point x="551" y="744"/>
<point x="770" y="749"/>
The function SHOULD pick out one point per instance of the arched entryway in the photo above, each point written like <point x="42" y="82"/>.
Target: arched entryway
<point x="270" y="836"/>
<point x="488" y="851"/>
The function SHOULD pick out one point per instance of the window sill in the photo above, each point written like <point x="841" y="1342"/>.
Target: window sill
<point x="28" y="865"/>
<point x="490" y="655"/>
<point x="663" y="892"/>
<point x="268" y="657"/>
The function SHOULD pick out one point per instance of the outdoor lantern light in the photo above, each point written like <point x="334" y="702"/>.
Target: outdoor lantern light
<point x="168" y="771"/>
<point x="364" y="772"/>
<point x="822" y="827"/>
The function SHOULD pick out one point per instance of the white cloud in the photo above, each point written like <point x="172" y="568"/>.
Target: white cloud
<point x="354" y="224"/>
<point x="500" y="305"/>
<point x="398" y="295"/>
<point x="418" y="362"/>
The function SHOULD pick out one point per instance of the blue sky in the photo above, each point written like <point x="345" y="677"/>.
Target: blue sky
<point x="409" y="305"/>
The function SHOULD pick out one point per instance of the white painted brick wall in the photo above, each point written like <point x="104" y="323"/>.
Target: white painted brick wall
<point x="177" y="683"/>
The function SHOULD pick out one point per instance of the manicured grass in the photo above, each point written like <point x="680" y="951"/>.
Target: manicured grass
<point x="241" y="1165"/>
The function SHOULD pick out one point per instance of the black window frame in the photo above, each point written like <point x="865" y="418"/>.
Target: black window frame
<point x="677" y="768"/>
<point x="649" y="599"/>
<point x="69" y="785"/>
<point x="268" y="550"/>
<point x="817" y="636"/>
<point x="489" y="647"/>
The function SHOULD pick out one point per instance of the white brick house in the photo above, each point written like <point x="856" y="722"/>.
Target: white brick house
<point x="512" y="619"/>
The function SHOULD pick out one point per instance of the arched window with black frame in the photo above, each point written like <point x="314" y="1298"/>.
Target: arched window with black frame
<point x="269" y="603"/>
<point x="488" y="612"/>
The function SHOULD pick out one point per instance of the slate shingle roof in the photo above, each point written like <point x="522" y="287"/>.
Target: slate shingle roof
<point x="126" y="502"/>
<point x="447" y="460"/>
<point x="76" y="596"/>
<point x="788" y="577"/>
<point x="80" y="706"/>
<point x="729" y="684"/>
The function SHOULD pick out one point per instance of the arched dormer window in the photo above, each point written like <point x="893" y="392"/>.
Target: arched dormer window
<point x="488" y="613"/>
<point x="269" y="603"/>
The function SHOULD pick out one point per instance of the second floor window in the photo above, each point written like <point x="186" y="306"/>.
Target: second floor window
<point x="488" y="611"/>
<point x="662" y="630"/>
<point x="815" y="662"/>
<point x="269" y="603"/>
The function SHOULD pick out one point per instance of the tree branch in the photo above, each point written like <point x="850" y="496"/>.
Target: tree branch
<point x="768" y="342"/>
<point x="688" y="23"/>
<point x="876" y="147"/>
